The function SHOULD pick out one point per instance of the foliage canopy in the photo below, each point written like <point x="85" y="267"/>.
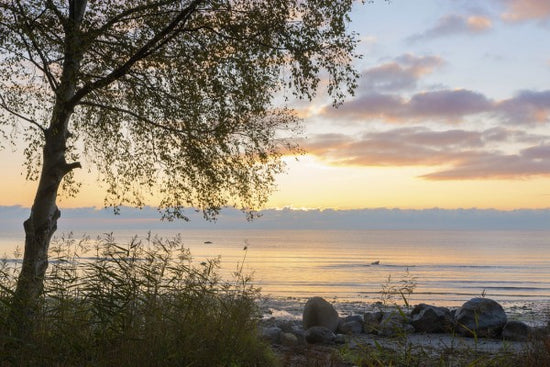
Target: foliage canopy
<point x="170" y="96"/>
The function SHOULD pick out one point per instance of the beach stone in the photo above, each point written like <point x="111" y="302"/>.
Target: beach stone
<point x="516" y="331"/>
<point x="319" y="335"/>
<point x="340" y="339"/>
<point x="480" y="316"/>
<point x="289" y="339"/>
<point x="431" y="319"/>
<point x="298" y="331"/>
<point x="540" y="333"/>
<point x="288" y="326"/>
<point x="351" y="325"/>
<point x="271" y="334"/>
<point x="393" y="323"/>
<point x="371" y="322"/>
<point x="318" y="312"/>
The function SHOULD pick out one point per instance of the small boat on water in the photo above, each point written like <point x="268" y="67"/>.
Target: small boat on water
<point x="377" y="262"/>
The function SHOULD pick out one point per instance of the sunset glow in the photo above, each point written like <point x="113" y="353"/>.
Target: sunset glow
<point x="452" y="111"/>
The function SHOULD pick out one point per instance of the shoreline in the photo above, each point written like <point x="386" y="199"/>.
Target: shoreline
<point x="534" y="314"/>
<point x="283" y="325"/>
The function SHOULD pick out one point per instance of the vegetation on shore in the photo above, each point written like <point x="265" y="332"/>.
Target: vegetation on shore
<point x="144" y="303"/>
<point x="147" y="303"/>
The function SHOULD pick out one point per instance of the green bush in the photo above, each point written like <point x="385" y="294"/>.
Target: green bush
<point x="144" y="303"/>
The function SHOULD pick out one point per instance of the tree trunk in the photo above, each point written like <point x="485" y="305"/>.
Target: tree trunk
<point x="42" y="223"/>
<point x="40" y="227"/>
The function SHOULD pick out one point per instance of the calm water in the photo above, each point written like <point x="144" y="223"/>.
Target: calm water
<point x="449" y="266"/>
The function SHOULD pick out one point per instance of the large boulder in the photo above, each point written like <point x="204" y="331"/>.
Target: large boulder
<point x="480" y="317"/>
<point x="271" y="334"/>
<point x="395" y="323"/>
<point x="319" y="335"/>
<point x="371" y="322"/>
<point x="289" y="339"/>
<point x="431" y="319"/>
<point x="516" y="331"/>
<point x="351" y="325"/>
<point x="318" y="312"/>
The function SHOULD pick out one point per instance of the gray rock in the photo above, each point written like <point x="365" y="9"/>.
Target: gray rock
<point x="393" y="323"/>
<point x="288" y="326"/>
<point x="289" y="339"/>
<point x="318" y="312"/>
<point x="371" y="322"/>
<point x="340" y="339"/>
<point x="431" y="319"/>
<point x="480" y="316"/>
<point x="271" y="334"/>
<point x="298" y="331"/>
<point x="540" y="332"/>
<point x="319" y="335"/>
<point x="516" y="331"/>
<point x="351" y="325"/>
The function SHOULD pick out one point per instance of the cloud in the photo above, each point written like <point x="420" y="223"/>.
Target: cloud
<point x="527" y="106"/>
<point x="444" y="105"/>
<point x="375" y="105"/>
<point x="401" y="73"/>
<point x="449" y="106"/>
<point x="469" y="154"/>
<point x="138" y="222"/>
<point x="397" y="147"/>
<point x="533" y="161"/>
<point x="456" y="24"/>
<point x="522" y="10"/>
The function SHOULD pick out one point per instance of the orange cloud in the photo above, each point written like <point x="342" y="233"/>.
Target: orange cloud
<point x="530" y="162"/>
<point x="520" y="10"/>
<point x="464" y="154"/>
<point x="455" y="24"/>
<point x="478" y="23"/>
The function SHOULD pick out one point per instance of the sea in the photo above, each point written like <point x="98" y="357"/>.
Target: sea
<point x="445" y="267"/>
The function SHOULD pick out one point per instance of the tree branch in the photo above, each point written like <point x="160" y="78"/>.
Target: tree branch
<point x="50" y="5"/>
<point x="124" y="14"/>
<point x="4" y="105"/>
<point x="135" y="115"/>
<point x="68" y="167"/>
<point x="142" y="53"/>
<point x="28" y="33"/>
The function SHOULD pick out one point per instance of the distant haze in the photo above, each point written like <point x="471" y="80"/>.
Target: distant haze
<point x="91" y="219"/>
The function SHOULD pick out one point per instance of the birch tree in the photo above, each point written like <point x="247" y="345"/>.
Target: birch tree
<point x="174" y="98"/>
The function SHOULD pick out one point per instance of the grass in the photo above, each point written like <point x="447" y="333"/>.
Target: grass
<point x="144" y="303"/>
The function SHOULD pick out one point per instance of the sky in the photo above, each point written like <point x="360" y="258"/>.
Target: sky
<point x="452" y="111"/>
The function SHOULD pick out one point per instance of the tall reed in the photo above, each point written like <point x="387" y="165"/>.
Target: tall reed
<point x="143" y="303"/>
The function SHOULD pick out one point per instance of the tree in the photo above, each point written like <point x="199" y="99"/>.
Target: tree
<point x="173" y="97"/>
